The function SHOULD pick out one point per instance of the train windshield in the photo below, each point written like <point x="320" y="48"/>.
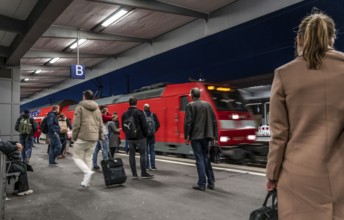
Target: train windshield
<point x="227" y="100"/>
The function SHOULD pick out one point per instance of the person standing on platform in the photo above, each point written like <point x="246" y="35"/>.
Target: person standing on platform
<point x="104" y="145"/>
<point x="37" y="134"/>
<point x="53" y="134"/>
<point x="87" y="130"/>
<point x="153" y="125"/>
<point x="135" y="128"/>
<point x="306" y="149"/>
<point x="26" y="127"/>
<point x="200" y="127"/>
<point x="114" y="130"/>
<point x="64" y="124"/>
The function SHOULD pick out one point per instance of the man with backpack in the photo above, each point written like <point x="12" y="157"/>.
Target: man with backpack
<point x="65" y="125"/>
<point x="135" y="128"/>
<point x="26" y="126"/>
<point x="153" y="125"/>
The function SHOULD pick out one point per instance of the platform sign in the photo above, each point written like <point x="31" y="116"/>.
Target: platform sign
<point x="77" y="71"/>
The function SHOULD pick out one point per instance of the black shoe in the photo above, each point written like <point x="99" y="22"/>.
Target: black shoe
<point x="96" y="167"/>
<point x="211" y="186"/>
<point x="147" y="176"/>
<point x="197" y="187"/>
<point x="53" y="163"/>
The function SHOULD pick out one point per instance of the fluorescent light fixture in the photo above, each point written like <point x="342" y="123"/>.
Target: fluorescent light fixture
<point x="114" y="17"/>
<point x="38" y="71"/>
<point x="54" y="60"/>
<point x="81" y="41"/>
<point x="26" y="79"/>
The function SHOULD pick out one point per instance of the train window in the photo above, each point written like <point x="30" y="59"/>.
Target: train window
<point x="227" y="101"/>
<point x="183" y="102"/>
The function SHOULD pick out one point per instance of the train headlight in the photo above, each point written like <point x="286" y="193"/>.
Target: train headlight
<point x="251" y="137"/>
<point x="224" y="139"/>
<point x="235" y="116"/>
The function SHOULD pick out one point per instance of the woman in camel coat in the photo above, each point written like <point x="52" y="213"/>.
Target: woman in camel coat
<point x="306" y="152"/>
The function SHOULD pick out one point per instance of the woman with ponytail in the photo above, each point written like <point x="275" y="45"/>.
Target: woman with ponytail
<point x="306" y="150"/>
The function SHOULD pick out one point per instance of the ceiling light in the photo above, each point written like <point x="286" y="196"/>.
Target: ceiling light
<point x="81" y="41"/>
<point x="38" y="71"/>
<point x="114" y="17"/>
<point x="26" y="79"/>
<point x="53" y="60"/>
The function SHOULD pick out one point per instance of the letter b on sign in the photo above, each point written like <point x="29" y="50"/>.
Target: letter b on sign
<point x="77" y="71"/>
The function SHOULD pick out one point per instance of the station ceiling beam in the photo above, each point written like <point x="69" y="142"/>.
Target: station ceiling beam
<point x="52" y="54"/>
<point x="4" y="51"/>
<point x="12" y="25"/>
<point x="63" y="32"/>
<point x="42" y="16"/>
<point x="26" y="67"/>
<point x="156" y="6"/>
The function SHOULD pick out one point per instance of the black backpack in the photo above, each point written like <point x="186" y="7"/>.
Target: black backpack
<point x="150" y="124"/>
<point x="129" y="126"/>
<point x="44" y="126"/>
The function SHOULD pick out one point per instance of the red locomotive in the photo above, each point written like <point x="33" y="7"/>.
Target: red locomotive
<point x="235" y="124"/>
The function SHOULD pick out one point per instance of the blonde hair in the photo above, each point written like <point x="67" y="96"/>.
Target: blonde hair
<point x="316" y="34"/>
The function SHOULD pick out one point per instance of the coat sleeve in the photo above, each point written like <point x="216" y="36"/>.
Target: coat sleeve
<point x="69" y="124"/>
<point x="279" y="128"/>
<point x="17" y="124"/>
<point x="7" y="147"/>
<point x="34" y="125"/>
<point x="143" y="123"/>
<point x="188" y="122"/>
<point x="213" y="118"/>
<point x="76" y="122"/>
<point x="100" y="121"/>
<point x="157" y="123"/>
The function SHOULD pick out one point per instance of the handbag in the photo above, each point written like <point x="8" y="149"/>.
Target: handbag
<point x="215" y="153"/>
<point x="266" y="212"/>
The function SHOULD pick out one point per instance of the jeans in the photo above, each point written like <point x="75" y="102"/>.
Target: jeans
<point x="55" y="147"/>
<point x="27" y="142"/>
<point x="63" y="140"/>
<point x="104" y="144"/>
<point x="140" y="145"/>
<point x="150" y="154"/>
<point x="126" y="146"/>
<point x="204" y="169"/>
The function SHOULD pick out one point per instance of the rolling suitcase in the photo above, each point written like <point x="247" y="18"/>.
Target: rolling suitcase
<point x="113" y="171"/>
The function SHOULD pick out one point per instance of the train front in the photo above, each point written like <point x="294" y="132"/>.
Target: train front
<point x="235" y="124"/>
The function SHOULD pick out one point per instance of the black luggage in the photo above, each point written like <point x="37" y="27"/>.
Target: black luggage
<point x="113" y="171"/>
<point x="266" y="212"/>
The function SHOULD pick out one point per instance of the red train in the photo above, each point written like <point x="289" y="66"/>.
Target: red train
<point x="235" y="124"/>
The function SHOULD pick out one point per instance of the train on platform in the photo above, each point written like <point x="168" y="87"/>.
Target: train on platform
<point x="236" y="125"/>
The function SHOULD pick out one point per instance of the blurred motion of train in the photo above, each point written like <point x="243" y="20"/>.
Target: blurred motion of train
<point x="236" y="126"/>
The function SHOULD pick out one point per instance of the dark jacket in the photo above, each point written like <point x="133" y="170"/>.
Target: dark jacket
<point x="32" y="121"/>
<point x="7" y="147"/>
<point x="140" y="122"/>
<point x="151" y="139"/>
<point x="53" y="123"/>
<point x="200" y="121"/>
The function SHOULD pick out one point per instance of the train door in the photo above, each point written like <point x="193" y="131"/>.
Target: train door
<point x="183" y="101"/>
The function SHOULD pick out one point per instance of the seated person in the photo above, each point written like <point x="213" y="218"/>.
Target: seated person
<point x="12" y="151"/>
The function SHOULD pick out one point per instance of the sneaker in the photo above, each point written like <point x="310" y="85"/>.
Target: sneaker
<point x="197" y="187"/>
<point x="53" y="163"/>
<point x="147" y="176"/>
<point x="96" y="167"/>
<point x="135" y="177"/>
<point x="30" y="191"/>
<point x="87" y="178"/>
<point x="211" y="186"/>
<point x="154" y="168"/>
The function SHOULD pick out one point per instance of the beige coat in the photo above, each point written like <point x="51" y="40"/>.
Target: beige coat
<point x="306" y="153"/>
<point x="88" y="123"/>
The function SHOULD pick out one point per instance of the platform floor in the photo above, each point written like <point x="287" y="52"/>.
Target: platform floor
<point x="168" y="196"/>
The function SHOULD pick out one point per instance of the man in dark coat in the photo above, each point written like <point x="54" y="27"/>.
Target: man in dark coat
<point x="54" y="134"/>
<point x="12" y="152"/>
<point x="200" y="127"/>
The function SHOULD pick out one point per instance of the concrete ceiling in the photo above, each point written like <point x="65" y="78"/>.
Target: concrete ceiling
<point x="34" y="32"/>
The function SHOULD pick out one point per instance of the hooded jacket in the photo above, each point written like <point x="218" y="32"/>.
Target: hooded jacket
<point x="88" y="124"/>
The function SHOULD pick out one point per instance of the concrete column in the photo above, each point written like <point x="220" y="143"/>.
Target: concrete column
<point x="9" y="102"/>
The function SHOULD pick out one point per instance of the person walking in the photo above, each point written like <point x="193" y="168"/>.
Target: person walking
<point x="153" y="125"/>
<point x="26" y="126"/>
<point x="306" y="149"/>
<point x="87" y="130"/>
<point x="53" y="134"/>
<point x="135" y="128"/>
<point x="114" y="130"/>
<point x="104" y="143"/>
<point x="200" y="127"/>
